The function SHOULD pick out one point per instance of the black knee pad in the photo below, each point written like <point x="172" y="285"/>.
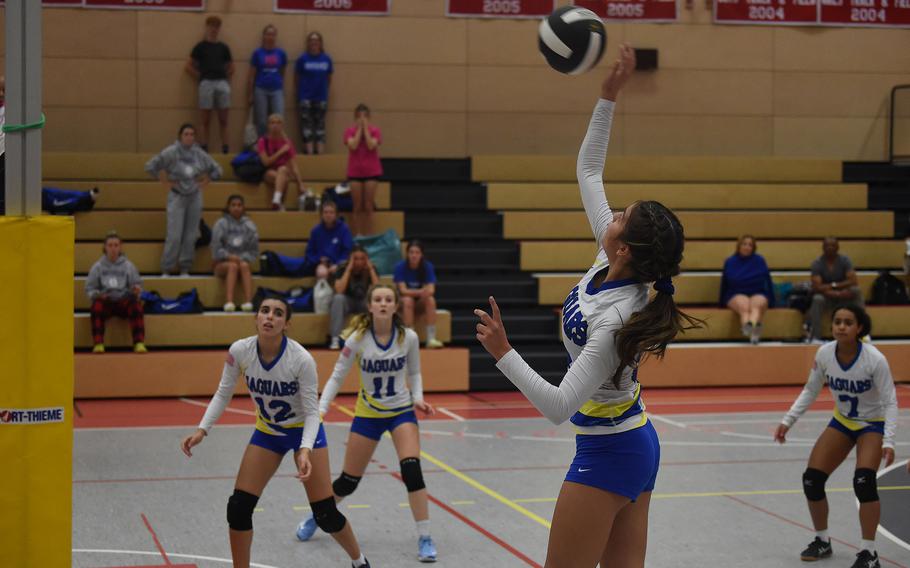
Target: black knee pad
<point x="865" y="485"/>
<point x="327" y="515"/>
<point x="345" y="484"/>
<point x="240" y="509"/>
<point x="814" y="484"/>
<point x="412" y="475"/>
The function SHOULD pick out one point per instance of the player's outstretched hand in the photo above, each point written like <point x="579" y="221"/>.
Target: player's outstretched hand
<point x="425" y="407"/>
<point x="620" y="72"/>
<point x="304" y="468"/>
<point x="888" y="456"/>
<point x="780" y="435"/>
<point x="193" y="439"/>
<point x="491" y="333"/>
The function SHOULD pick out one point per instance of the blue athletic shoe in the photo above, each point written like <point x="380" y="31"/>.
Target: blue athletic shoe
<point x="306" y="529"/>
<point x="426" y="550"/>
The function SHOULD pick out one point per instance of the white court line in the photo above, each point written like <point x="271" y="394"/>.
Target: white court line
<point x="450" y="414"/>
<point x="228" y="409"/>
<point x="763" y="437"/>
<point x="885" y="532"/>
<point x="174" y="554"/>
<point x="666" y="420"/>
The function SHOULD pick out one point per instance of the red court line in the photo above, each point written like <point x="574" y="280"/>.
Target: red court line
<point x="148" y="525"/>
<point x="802" y="526"/>
<point x="517" y="553"/>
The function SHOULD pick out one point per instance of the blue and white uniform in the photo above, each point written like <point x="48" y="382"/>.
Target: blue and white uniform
<point x="390" y="381"/>
<point x="616" y="447"/>
<point x="864" y="396"/>
<point x="287" y="414"/>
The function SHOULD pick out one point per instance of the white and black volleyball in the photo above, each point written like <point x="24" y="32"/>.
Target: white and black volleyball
<point x="572" y="39"/>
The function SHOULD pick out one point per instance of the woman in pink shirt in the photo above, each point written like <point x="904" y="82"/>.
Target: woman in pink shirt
<point x="364" y="168"/>
<point x="277" y="154"/>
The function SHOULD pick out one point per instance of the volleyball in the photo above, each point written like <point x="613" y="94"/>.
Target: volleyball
<point x="572" y="39"/>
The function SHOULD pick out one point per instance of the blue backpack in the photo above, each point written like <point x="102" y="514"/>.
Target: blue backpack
<point x="248" y="167"/>
<point x="65" y="201"/>
<point x="273" y="264"/>
<point x="298" y="298"/>
<point x="185" y="303"/>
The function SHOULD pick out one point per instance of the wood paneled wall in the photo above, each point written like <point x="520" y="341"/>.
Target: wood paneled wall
<point x="114" y="81"/>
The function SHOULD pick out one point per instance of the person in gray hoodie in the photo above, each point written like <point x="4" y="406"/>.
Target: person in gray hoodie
<point x="235" y="246"/>
<point x="113" y="285"/>
<point x="185" y="169"/>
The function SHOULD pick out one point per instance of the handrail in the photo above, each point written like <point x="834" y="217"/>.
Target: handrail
<point x="891" y="122"/>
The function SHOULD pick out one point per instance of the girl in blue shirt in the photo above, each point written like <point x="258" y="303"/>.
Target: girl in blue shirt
<point x="746" y="287"/>
<point x="415" y="279"/>
<point x="313" y="74"/>
<point x="265" y="86"/>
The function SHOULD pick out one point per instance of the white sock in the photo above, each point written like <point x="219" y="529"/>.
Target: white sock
<point x="868" y="545"/>
<point x="431" y="333"/>
<point x="276" y="199"/>
<point x="823" y="535"/>
<point x="360" y="561"/>
<point x="423" y="527"/>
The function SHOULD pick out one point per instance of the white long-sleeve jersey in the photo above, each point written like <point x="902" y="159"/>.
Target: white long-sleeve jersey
<point x="591" y="317"/>
<point x="284" y="389"/>
<point x="390" y="379"/>
<point x="863" y="390"/>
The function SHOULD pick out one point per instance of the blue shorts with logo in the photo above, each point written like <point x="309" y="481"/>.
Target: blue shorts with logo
<point x="289" y="441"/>
<point x="874" y="427"/>
<point x="624" y="463"/>
<point x="374" y="428"/>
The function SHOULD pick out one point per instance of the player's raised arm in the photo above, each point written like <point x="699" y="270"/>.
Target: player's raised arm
<point x="593" y="151"/>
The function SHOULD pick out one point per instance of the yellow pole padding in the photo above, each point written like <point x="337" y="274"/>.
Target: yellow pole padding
<point x="36" y="391"/>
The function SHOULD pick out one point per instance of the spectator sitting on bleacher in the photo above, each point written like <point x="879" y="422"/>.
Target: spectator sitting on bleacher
<point x="277" y="154"/>
<point x="235" y="246"/>
<point x="330" y="243"/>
<point x="415" y="278"/>
<point x="746" y="287"/>
<point x="113" y="285"/>
<point x="351" y="281"/>
<point x="833" y="283"/>
<point x="184" y="169"/>
<point x="211" y="64"/>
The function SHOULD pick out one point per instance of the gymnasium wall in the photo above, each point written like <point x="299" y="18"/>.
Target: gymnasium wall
<point x="114" y="81"/>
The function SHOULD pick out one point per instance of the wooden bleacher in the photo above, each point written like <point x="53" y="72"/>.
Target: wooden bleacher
<point x="746" y="169"/>
<point x="710" y="255"/>
<point x="698" y="288"/>
<point x="139" y="195"/>
<point x="682" y="196"/>
<point x="715" y="224"/>
<point x="218" y="329"/>
<point x="210" y="288"/>
<point x="151" y="225"/>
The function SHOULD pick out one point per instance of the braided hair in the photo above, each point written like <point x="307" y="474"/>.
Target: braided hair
<point x="656" y="241"/>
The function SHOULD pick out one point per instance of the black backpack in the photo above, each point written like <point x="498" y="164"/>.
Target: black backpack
<point x="888" y="290"/>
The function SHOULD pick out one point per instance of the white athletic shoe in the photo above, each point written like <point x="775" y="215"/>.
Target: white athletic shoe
<point x="230" y="307"/>
<point x="246" y="306"/>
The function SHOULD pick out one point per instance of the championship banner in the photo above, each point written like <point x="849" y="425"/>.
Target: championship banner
<point x="147" y="4"/>
<point x="57" y="3"/>
<point x="864" y="13"/>
<point x="632" y="10"/>
<point x="499" y="8"/>
<point x="353" y="7"/>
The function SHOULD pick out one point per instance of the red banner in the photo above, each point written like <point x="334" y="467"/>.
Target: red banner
<point x="875" y="13"/>
<point x="57" y="3"/>
<point x="635" y="10"/>
<point x="147" y="4"/>
<point x="500" y="8"/>
<point x="361" y="7"/>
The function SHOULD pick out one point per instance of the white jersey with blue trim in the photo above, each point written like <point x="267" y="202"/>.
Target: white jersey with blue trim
<point x="591" y="317"/>
<point x="863" y="390"/>
<point x="390" y="379"/>
<point x="284" y="389"/>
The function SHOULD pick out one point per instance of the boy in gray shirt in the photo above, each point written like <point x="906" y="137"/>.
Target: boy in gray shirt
<point x="834" y="283"/>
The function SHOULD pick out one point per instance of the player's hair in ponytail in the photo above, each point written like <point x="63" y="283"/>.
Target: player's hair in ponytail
<point x="361" y="323"/>
<point x="861" y="315"/>
<point x="656" y="241"/>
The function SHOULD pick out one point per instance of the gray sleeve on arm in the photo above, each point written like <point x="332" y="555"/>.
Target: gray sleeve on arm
<point x="251" y="251"/>
<point x="93" y="282"/>
<point x="590" y="168"/>
<point x="218" y="250"/>
<point x="134" y="277"/>
<point x="213" y="168"/>
<point x="157" y="163"/>
<point x="597" y="362"/>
